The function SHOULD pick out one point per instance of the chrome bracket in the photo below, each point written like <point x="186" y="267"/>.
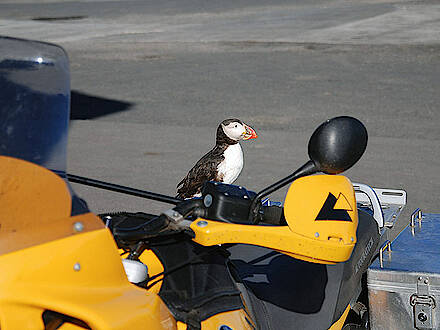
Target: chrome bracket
<point x="385" y="246"/>
<point x="374" y="201"/>
<point x="173" y="216"/>
<point x="423" y="303"/>
<point x="416" y="215"/>
<point x="177" y="221"/>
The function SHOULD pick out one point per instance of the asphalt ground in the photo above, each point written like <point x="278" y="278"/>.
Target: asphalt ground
<point x="151" y="80"/>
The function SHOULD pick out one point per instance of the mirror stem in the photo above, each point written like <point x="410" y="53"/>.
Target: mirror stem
<point x="307" y="169"/>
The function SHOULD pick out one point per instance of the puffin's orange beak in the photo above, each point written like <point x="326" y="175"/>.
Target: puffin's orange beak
<point x="250" y="133"/>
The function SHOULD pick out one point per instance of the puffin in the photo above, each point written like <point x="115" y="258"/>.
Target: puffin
<point x="223" y="163"/>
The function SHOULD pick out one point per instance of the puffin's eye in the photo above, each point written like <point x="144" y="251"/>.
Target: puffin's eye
<point x="236" y="126"/>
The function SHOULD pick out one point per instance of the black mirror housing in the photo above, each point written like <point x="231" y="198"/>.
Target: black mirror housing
<point x="337" y="144"/>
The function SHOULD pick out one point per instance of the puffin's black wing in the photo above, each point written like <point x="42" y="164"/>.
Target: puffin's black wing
<point x="204" y="170"/>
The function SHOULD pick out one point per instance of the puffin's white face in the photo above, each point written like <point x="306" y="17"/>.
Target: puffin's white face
<point x="239" y="131"/>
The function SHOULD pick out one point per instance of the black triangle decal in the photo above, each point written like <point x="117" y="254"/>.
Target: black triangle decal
<point x="328" y="211"/>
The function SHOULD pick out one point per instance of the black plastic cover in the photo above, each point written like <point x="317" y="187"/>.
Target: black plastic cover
<point x="225" y="202"/>
<point x="199" y="289"/>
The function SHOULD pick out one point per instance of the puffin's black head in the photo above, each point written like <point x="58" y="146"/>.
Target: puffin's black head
<point x="231" y="131"/>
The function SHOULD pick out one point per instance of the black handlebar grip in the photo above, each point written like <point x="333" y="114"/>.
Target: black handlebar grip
<point x="149" y="229"/>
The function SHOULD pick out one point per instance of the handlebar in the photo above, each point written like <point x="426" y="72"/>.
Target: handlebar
<point x="175" y="221"/>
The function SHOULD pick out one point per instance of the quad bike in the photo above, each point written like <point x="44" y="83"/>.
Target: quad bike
<point x="223" y="261"/>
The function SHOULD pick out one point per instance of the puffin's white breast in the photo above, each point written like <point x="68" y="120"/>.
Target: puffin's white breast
<point x="232" y="165"/>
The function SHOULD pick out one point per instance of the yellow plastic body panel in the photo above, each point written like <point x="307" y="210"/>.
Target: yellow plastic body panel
<point x="154" y="267"/>
<point x="47" y="265"/>
<point x="340" y="323"/>
<point x="44" y="278"/>
<point x="278" y="238"/>
<point x="35" y="206"/>
<point x="29" y="191"/>
<point x="181" y="326"/>
<point x="70" y="326"/>
<point x="322" y="207"/>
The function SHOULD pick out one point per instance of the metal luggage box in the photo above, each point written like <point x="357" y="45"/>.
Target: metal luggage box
<point x="404" y="282"/>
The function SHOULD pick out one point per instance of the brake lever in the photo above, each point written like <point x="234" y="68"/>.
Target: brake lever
<point x="178" y="223"/>
<point x="151" y="228"/>
<point x="171" y="221"/>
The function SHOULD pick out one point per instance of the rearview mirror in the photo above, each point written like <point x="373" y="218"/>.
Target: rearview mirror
<point x="337" y="144"/>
